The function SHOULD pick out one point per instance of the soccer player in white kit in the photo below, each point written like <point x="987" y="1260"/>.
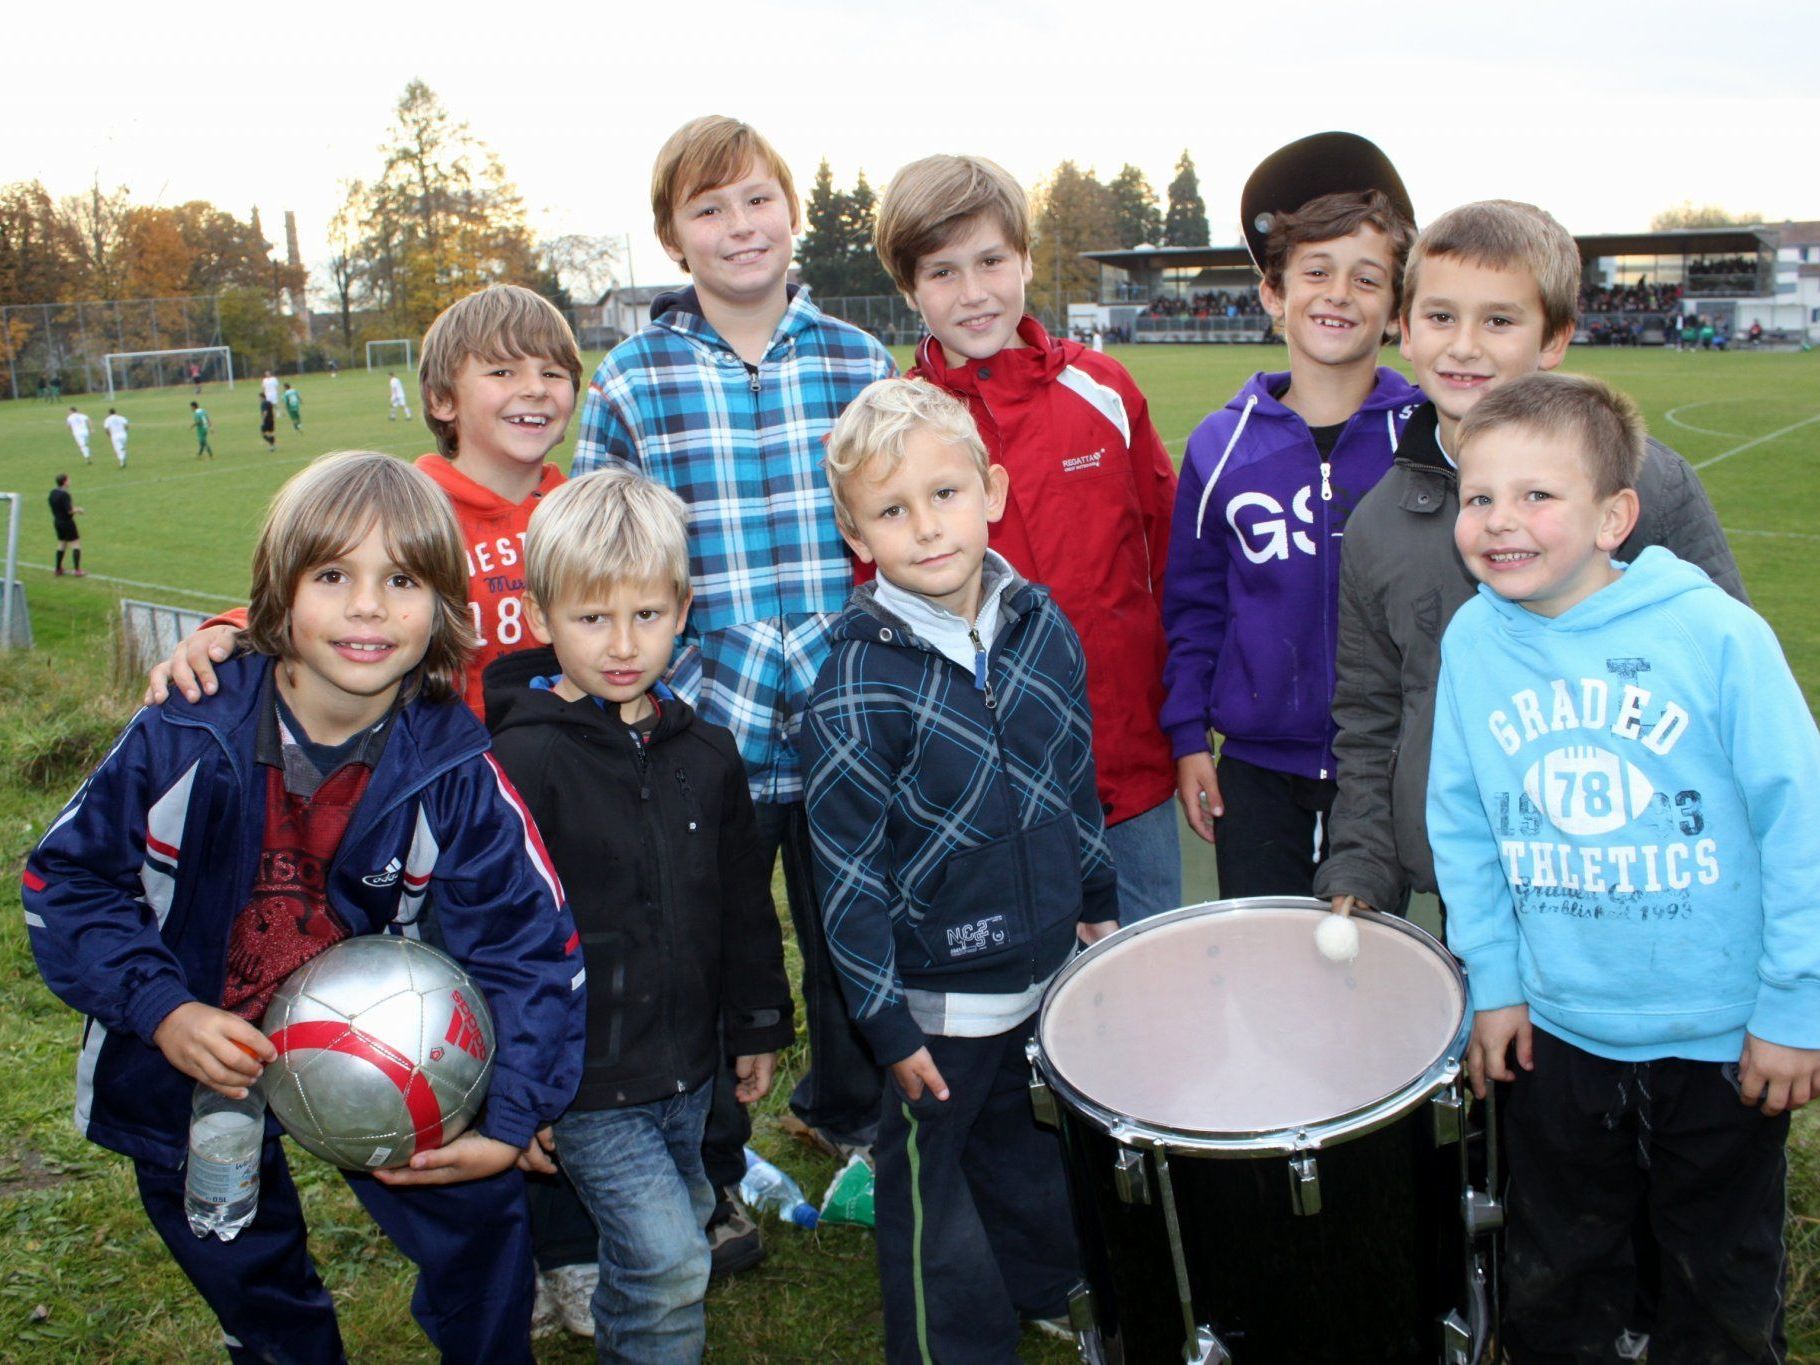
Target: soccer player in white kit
<point x="116" y="432"/>
<point x="398" y="401"/>
<point x="79" y="429"/>
<point x="269" y="387"/>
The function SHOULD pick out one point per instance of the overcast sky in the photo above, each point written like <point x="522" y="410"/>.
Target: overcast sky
<point x="1603" y="113"/>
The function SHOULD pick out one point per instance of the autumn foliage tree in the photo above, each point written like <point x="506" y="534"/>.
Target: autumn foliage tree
<point x="440" y="220"/>
<point x="1071" y="212"/>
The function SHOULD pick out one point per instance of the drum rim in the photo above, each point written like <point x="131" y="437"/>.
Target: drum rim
<point x="1441" y="1073"/>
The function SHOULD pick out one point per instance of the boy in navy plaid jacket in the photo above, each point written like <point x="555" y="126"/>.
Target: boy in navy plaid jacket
<point x="725" y="398"/>
<point x="960" y="851"/>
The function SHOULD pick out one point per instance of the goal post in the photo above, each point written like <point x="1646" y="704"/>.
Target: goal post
<point x="162" y="369"/>
<point x="399" y="354"/>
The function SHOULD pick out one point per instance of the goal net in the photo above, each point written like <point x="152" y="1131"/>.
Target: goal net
<point x="163" y="369"/>
<point x="391" y="355"/>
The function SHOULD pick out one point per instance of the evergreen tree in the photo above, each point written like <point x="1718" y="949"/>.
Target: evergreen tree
<point x="822" y="253"/>
<point x="1186" y="221"/>
<point x="1137" y="219"/>
<point x="865" y="272"/>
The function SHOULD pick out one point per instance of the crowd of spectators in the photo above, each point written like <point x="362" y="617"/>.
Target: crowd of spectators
<point x="1722" y="275"/>
<point x="1641" y="297"/>
<point x="1217" y="303"/>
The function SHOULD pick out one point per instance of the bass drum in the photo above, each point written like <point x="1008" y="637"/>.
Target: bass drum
<point x="1265" y="1148"/>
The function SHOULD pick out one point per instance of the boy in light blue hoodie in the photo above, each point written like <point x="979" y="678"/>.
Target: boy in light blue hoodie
<point x="1624" y="789"/>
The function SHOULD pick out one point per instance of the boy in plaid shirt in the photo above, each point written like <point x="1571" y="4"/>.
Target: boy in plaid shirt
<point x="725" y="397"/>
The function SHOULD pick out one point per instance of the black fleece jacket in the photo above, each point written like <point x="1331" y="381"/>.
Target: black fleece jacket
<point x="657" y="847"/>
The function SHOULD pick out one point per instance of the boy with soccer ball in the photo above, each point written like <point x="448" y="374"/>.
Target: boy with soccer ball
<point x="224" y="843"/>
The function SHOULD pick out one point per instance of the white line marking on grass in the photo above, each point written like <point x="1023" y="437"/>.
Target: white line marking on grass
<point x="1704" y="431"/>
<point x="257" y="462"/>
<point x="152" y="587"/>
<point x="1739" y="450"/>
<point x="1770" y="535"/>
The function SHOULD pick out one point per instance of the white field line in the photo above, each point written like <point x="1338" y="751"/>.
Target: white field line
<point x="1757" y="441"/>
<point x="1704" y="431"/>
<point x="150" y="587"/>
<point x="207" y="469"/>
<point x="1770" y="535"/>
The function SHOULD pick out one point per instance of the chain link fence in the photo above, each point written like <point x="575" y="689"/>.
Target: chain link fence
<point x="51" y="349"/>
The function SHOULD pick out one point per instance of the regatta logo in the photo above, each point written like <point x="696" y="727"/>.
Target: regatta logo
<point x="1257" y="520"/>
<point x="966" y="939"/>
<point x="464" y="1029"/>
<point x="1085" y="464"/>
<point x="387" y="876"/>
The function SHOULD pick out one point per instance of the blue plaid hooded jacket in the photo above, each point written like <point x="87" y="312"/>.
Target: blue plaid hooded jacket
<point x="956" y="826"/>
<point x="742" y="446"/>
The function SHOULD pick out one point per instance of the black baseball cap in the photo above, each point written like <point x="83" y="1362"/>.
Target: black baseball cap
<point x="1323" y="163"/>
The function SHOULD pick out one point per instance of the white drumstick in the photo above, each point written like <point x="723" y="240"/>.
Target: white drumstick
<point x="1337" y="937"/>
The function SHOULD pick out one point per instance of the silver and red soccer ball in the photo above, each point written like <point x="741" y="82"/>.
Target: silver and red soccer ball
<point x="385" y="1049"/>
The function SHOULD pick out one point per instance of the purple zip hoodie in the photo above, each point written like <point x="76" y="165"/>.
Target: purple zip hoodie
<point x="1251" y="593"/>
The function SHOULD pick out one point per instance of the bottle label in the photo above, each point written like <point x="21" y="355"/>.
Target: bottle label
<point x="221" y="1182"/>
<point x="224" y="1158"/>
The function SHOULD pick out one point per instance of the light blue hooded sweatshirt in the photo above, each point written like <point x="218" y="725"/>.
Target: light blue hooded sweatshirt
<point x="1624" y="807"/>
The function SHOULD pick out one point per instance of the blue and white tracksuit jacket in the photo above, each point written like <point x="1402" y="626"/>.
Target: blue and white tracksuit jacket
<point x="132" y="893"/>
<point x="742" y="446"/>
<point x="954" y="816"/>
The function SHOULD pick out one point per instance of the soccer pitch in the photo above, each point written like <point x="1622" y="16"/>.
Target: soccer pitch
<point x="85" y="1275"/>
<point x="171" y="528"/>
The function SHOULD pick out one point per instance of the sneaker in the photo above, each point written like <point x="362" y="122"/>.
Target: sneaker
<point x="822" y="1141"/>
<point x="1060" y="1328"/>
<point x="1632" y="1345"/>
<point x="60" y="573"/>
<point x="544" y="1322"/>
<point x="79" y="573"/>
<point x="734" y="1243"/>
<point x="572" y="1294"/>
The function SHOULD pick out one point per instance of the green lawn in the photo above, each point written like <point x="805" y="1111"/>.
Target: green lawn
<point x="81" y="1276"/>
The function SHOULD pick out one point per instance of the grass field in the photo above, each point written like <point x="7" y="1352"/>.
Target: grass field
<point x="82" y="1276"/>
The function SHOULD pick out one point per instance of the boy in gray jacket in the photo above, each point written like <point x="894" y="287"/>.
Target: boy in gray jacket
<point x="1490" y="294"/>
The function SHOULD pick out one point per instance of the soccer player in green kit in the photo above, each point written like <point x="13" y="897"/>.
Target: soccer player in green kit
<point x="199" y="415"/>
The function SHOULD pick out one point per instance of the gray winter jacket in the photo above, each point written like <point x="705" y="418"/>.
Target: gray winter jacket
<point x="1400" y="583"/>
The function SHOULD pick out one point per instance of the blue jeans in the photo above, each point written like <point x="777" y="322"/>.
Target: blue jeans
<point x="1147" y="851"/>
<point x="639" y="1171"/>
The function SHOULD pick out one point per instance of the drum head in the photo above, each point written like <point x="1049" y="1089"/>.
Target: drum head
<point x="1226" y="1021"/>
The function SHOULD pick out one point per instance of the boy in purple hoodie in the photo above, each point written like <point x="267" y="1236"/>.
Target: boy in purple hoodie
<point x="1250" y="597"/>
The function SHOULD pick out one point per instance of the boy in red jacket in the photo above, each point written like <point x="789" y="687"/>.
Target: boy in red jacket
<point x="1091" y="484"/>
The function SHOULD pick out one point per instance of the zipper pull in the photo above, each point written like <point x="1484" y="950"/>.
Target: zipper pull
<point x="644" y="767"/>
<point x="752" y="377"/>
<point x="1326" y="481"/>
<point x="980" y="678"/>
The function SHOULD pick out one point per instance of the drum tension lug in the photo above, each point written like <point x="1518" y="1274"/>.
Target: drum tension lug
<point x="1456" y="1340"/>
<point x="1449" y="1111"/>
<point x="1208" y="1349"/>
<point x="1129" y="1179"/>
<point x="1304" y="1186"/>
<point x="1042" y="1103"/>
<point x="1083" y="1311"/>
<point x="1480" y="1212"/>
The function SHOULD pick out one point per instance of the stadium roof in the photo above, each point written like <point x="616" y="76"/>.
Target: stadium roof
<point x="1675" y="242"/>
<point x="1746" y="241"/>
<point x="1164" y="257"/>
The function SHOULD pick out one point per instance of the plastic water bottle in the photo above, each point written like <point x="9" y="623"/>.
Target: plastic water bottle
<point x="221" y="1179"/>
<point x="766" y="1187"/>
